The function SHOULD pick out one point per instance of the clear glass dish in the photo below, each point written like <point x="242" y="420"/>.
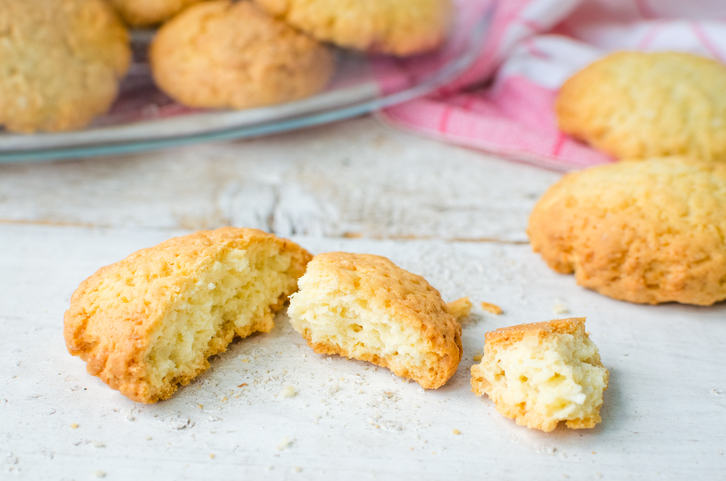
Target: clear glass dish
<point x="143" y="118"/>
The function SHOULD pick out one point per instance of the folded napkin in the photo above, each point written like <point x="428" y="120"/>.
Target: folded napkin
<point x="504" y="101"/>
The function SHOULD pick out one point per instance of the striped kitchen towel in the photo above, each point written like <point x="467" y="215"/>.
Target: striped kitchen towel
<point x="504" y="102"/>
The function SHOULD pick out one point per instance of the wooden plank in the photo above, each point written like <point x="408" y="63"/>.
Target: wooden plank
<point x="355" y="178"/>
<point x="664" y="413"/>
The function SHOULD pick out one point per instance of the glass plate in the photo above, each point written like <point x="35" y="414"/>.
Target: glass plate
<point x="143" y="118"/>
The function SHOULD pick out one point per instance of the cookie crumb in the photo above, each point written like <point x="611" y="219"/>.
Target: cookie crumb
<point x="456" y="431"/>
<point x="459" y="308"/>
<point x="212" y="455"/>
<point x="243" y="384"/>
<point x="74" y="426"/>
<point x="478" y="357"/>
<point x="285" y="443"/>
<point x="298" y="469"/>
<point x="492" y="308"/>
<point x="288" y="391"/>
<point x="560" y="308"/>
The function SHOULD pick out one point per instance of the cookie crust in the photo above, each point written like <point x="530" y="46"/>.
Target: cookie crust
<point x="61" y="63"/>
<point x="397" y="27"/>
<point x="538" y="400"/>
<point x="644" y="231"/>
<point x="639" y="105"/>
<point x="220" y="54"/>
<point x="118" y="314"/>
<point x="371" y="294"/>
<point x="144" y="13"/>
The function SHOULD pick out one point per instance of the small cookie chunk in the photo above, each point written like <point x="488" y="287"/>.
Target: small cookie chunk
<point x="149" y="323"/>
<point x="543" y="373"/>
<point x="398" y="27"/>
<point x="645" y="231"/>
<point x="459" y="308"/>
<point x="143" y="13"/>
<point x="365" y="307"/>
<point x="492" y="308"/>
<point x="639" y="105"/>
<point x="222" y="54"/>
<point x="62" y="61"/>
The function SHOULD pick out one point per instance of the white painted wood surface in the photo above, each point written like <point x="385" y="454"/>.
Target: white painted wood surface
<point x="455" y="216"/>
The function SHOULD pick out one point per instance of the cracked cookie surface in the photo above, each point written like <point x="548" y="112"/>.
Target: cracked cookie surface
<point x="643" y="231"/>
<point x="142" y="13"/>
<point x="220" y="54"/>
<point x="62" y="61"/>
<point x="398" y="27"/>
<point x="638" y="105"/>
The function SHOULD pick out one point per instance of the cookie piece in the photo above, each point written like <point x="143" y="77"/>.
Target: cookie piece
<point x="542" y="374"/>
<point x="460" y="308"/>
<point x="222" y="54"/>
<point x="143" y="13"/>
<point x="365" y="307"/>
<point x="638" y="105"/>
<point x="61" y="63"/>
<point x="645" y="231"/>
<point x="149" y="323"/>
<point x="397" y="27"/>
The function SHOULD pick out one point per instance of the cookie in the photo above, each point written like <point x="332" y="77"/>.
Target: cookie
<point x="639" y="105"/>
<point x="460" y="308"/>
<point x="143" y="13"/>
<point x="149" y="323"/>
<point x="397" y="27"/>
<point x="62" y="61"/>
<point x="222" y="54"/>
<point x="645" y="231"/>
<point x="365" y="307"/>
<point x="542" y="374"/>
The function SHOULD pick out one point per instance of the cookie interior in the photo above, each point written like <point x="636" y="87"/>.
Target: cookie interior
<point x="340" y="323"/>
<point x="233" y="295"/>
<point x="541" y="380"/>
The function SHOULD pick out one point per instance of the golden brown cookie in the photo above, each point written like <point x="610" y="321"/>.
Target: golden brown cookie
<point x="224" y="54"/>
<point x="142" y="13"/>
<point x="61" y="62"/>
<point x="398" y="27"/>
<point x="365" y="307"/>
<point x="542" y="374"/>
<point x="639" y="105"/>
<point x="149" y="323"/>
<point x="645" y="231"/>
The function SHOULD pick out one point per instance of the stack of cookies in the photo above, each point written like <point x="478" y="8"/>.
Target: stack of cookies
<point x="652" y="227"/>
<point x="63" y="59"/>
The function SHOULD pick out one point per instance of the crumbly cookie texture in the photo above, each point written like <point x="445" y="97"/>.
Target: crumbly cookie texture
<point x="149" y="323"/>
<point x="62" y="61"/>
<point x="459" y="308"/>
<point x="398" y="27"/>
<point x="365" y="307"/>
<point x="220" y="54"/>
<point x="645" y="231"/>
<point x="542" y="374"/>
<point x="143" y="13"/>
<point x="639" y="105"/>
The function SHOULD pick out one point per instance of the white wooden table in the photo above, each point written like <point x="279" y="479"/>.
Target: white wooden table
<point x="455" y="216"/>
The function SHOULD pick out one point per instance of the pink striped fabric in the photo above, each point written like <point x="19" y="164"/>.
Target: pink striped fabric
<point x="532" y="47"/>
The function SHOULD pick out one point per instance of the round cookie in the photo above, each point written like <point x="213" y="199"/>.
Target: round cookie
<point x="643" y="231"/>
<point x="221" y="54"/>
<point x="365" y="307"/>
<point x="638" y="105"/>
<point x="61" y="63"/>
<point x="142" y="13"/>
<point x="398" y="27"/>
<point x="149" y="323"/>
